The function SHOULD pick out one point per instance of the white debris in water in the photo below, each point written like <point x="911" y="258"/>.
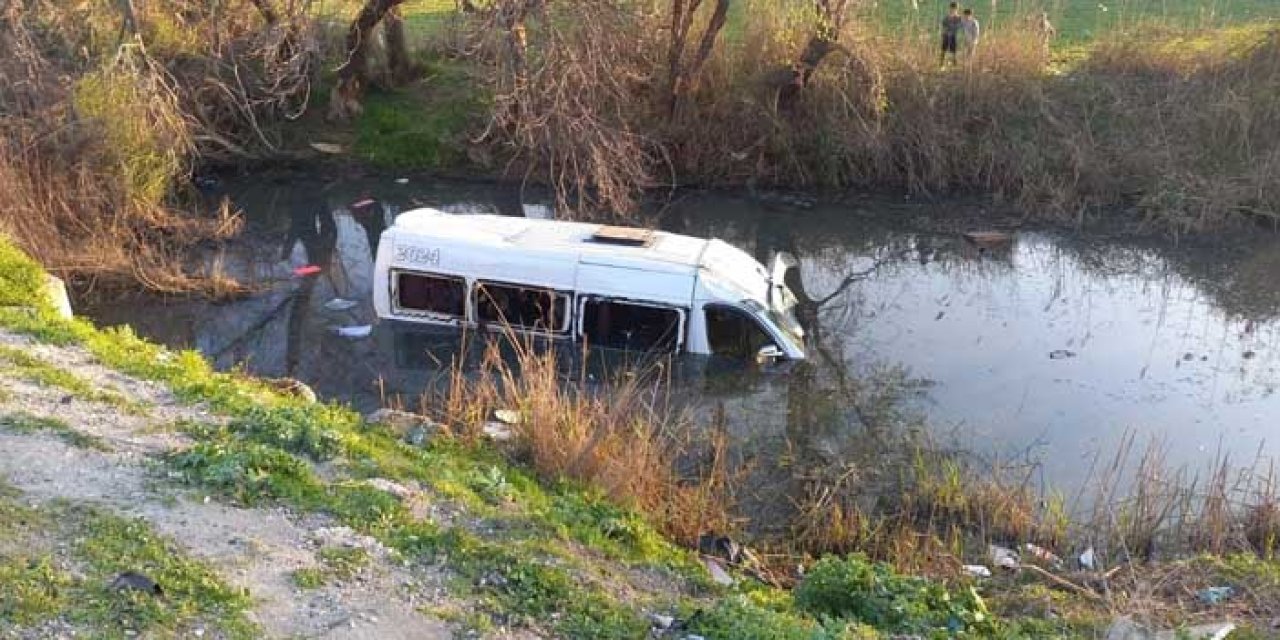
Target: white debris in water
<point x="977" y="571"/>
<point x="339" y="304"/>
<point x="357" y="331"/>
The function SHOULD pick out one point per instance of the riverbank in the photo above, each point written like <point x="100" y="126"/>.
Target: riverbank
<point x="425" y="525"/>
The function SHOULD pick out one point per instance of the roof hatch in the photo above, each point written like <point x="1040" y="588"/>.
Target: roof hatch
<point x="624" y="236"/>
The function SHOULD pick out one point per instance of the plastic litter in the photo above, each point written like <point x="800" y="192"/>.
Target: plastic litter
<point x="1088" y="559"/>
<point x="357" y="331"/>
<point x="339" y="304"/>
<point x="327" y="147"/>
<point x="134" y="581"/>
<point x="1215" y="595"/>
<point x="308" y="270"/>
<point x="507" y="416"/>
<point x="1042" y="554"/>
<point x="977" y="571"/>
<point x="1003" y="557"/>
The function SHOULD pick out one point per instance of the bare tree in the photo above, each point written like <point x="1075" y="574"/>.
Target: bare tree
<point x="683" y="73"/>
<point x="829" y="22"/>
<point x="353" y="75"/>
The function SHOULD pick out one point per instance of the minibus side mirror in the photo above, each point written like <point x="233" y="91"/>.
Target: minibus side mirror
<point x="769" y="354"/>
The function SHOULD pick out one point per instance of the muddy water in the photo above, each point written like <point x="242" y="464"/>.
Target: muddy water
<point x="1048" y="349"/>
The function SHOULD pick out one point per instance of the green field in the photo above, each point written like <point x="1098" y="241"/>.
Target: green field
<point x="1081" y="20"/>
<point x="1075" y="20"/>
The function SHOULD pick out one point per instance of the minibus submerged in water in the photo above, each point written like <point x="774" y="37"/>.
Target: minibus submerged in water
<point x="605" y="286"/>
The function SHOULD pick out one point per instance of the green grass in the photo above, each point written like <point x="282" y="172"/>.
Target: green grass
<point x="47" y="374"/>
<point x="424" y="127"/>
<point x="40" y="546"/>
<point x="21" y="280"/>
<point x="1079" y="21"/>
<point x="22" y="422"/>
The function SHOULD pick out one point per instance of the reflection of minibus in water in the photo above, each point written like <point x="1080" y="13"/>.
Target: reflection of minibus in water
<point x="612" y="287"/>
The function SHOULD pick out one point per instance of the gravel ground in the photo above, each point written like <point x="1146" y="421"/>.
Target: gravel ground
<point x="257" y="549"/>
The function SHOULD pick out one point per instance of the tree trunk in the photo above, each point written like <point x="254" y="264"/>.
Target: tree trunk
<point x="353" y="75"/>
<point x="680" y="75"/>
<point x="399" y="66"/>
<point x="825" y="39"/>
<point x="268" y="12"/>
<point x="511" y="18"/>
<point x="129" y="20"/>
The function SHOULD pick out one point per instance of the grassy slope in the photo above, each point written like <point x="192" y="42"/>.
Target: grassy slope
<point x="555" y="558"/>
<point x="56" y="587"/>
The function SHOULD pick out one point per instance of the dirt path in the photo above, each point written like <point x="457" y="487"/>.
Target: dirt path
<point x="255" y="549"/>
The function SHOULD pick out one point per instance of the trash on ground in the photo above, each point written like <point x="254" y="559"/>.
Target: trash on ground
<point x="308" y="270"/>
<point x="497" y="431"/>
<point x="328" y="147"/>
<point x="1061" y="354"/>
<point x="1042" y="554"/>
<point x="507" y="416"/>
<point x="1088" y="559"/>
<point x="1125" y="628"/>
<point x="661" y="622"/>
<point x="340" y="304"/>
<point x="134" y="581"/>
<point x="718" y="574"/>
<point x="1215" y="595"/>
<point x="1003" y="557"/>
<point x="977" y="571"/>
<point x="356" y="331"/>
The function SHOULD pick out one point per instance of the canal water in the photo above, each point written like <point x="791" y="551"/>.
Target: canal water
<point x="1050" y="349"/>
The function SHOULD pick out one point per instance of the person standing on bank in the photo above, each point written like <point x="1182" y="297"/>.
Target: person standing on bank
<point x="972" y="34"/>
<point x="950" y="33"/>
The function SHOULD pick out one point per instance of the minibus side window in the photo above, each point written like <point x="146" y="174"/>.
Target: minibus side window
<point x="734" y="333"/>
<point x="444" y="295"/>
<point x="618" y="325"/>
<point x="522" y="307"/>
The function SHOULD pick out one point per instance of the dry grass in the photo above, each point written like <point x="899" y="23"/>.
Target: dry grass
<point x="625" y="442"/>
<point x="1177" y="128"/>
<point x="102" y="126"/>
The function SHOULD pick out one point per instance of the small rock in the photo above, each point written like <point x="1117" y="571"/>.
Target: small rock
<point x="134" y="581"/>
<point x="718" y="574"/>
<point x="661" y="622"/>
<point x="403" y="423"/>
<point x="977" y="571"/>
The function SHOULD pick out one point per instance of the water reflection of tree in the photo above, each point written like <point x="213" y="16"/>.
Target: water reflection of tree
<point x="318" y="234"/>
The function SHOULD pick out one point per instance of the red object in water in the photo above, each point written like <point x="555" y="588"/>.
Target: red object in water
<point x="309" y="270"/>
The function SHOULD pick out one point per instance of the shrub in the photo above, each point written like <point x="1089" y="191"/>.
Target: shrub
<point x="857" y="589"/>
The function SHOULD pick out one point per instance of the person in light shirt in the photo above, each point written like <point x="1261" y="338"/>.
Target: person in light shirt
<point x="972" y="32"/>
